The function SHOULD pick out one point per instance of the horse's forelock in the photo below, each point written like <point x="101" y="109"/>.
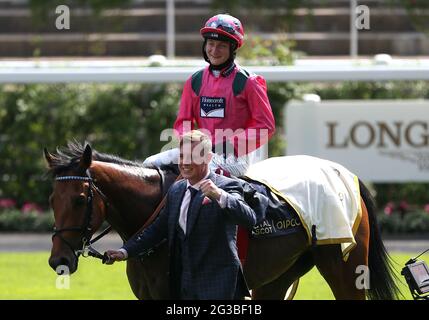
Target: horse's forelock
<point x="67" y="158"/>
<point x="60" y="165"/>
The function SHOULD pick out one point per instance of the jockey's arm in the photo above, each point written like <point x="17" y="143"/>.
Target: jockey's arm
<point x="185" y="117"/>
<point x="261" y="126"/>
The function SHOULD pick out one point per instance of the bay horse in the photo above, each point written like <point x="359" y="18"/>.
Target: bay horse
<point x="91" y="187"/>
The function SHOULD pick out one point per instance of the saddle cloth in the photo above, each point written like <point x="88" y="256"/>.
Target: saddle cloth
<point x="324" y="194"/>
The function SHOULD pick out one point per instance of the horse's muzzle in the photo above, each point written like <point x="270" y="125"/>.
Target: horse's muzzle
<point x="63" y="265"/>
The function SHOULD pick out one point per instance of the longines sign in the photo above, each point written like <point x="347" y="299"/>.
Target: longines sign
<point x="380" y="141"/>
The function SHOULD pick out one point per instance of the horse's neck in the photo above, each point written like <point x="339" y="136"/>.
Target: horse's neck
<point x="133" y="192"/>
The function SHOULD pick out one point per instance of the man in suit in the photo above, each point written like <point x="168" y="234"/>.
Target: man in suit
<point x="200" y="223"/>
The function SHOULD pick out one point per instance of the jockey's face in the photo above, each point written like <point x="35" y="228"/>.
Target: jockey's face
<point x="193" y="163"/>
<point x="217" y="51"/>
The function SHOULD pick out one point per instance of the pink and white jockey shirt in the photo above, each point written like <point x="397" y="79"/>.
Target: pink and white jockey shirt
<point x="248" y="116"/>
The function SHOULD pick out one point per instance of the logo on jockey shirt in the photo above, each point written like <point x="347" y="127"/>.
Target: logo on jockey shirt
<point x="212" y="107"/>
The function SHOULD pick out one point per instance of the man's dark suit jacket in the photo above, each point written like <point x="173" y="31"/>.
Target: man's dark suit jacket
<point x="209" y="248"/>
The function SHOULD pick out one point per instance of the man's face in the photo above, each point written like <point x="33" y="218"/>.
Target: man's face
<point x="193" y="164"/>
<point x="217" y="51"/>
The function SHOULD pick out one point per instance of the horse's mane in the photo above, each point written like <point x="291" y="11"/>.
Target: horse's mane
<point x="68" y="157"/>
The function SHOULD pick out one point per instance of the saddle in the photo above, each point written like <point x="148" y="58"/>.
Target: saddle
<point x="274" y="217"/>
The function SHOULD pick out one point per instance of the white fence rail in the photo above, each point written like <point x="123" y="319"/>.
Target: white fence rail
<point x="119" y="71"/>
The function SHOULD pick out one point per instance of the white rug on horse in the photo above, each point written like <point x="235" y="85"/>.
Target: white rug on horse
<point x="323" y="193"/>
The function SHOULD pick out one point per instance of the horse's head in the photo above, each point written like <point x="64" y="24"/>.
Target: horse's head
<point x="78" y="208"/>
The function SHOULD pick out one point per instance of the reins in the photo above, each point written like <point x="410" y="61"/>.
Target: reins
<point x="157" y="209"/>
<point x="87" y="249"/>
<point x="86" y="228"/>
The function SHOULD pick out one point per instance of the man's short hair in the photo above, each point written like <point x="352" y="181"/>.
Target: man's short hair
<point x="196" y="136"/>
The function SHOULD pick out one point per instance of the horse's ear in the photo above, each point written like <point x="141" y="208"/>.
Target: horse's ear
<point x="48" y="157"/>
<point x="86" y="158"/>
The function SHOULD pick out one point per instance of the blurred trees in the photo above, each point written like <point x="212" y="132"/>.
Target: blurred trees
<point x="127" y="120"/>
<point x="119" y="119"/>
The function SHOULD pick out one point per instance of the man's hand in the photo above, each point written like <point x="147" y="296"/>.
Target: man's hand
<point x="114" y="255"/>
<point x="210" y="190"/>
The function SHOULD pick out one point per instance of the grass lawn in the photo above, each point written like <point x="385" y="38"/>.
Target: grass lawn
<point x="313" y="287"/>
<point x="28" y="276"/>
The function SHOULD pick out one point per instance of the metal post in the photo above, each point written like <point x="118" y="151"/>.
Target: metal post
<point x="353" y="30"/>
<point x="170" y="29"/>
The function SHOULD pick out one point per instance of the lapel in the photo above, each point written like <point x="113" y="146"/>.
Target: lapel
<point x="196" y="206"/>
<point x="175" y="207"/>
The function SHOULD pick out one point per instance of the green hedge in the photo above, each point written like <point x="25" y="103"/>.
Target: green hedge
<point x="413" y="222"/>
<point x="120" y="119"/>
<point x="16" y="220"/>
<point x="127" y="120"/>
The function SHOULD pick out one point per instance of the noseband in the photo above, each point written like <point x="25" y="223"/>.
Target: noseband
<point x="86" y="229"/>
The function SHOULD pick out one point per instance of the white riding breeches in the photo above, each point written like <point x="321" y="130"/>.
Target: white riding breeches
<point x="236" y="166"/>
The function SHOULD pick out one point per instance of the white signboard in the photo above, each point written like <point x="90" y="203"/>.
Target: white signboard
<point x="380" y="141"/>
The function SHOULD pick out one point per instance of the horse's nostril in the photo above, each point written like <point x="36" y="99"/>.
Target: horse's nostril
<point x="59" y="264"/>
<point x="64" y="262"/>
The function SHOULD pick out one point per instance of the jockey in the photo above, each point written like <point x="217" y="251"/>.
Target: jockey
<point x="224" y="101"/>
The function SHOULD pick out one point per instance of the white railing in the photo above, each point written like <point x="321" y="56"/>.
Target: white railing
<point x="111" y="71"/>
<point x="179" y="74"/>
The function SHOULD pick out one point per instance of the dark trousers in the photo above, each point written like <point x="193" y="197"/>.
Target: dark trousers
<point x="179" y="290"/>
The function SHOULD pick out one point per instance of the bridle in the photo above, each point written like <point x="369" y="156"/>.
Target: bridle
<point x="86" y="228"/>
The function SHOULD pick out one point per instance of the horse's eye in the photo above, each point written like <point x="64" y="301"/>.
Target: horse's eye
<point x="80" y="200"/>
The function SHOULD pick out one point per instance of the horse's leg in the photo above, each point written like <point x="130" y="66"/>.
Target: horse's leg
<point x="136" y="279"/>
<point x="276" y="290"/>
<point x="269" y="258"/>
<point x="340" y="275"/>
<point x="149" y="278"/>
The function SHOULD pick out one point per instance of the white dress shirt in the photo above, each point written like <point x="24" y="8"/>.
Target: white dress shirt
<point x="187" y="199"/>
<point x="185" y="205"/>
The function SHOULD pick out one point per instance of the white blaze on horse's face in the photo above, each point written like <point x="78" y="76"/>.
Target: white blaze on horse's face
<point x="78" y="213"/>
<point x="68" y="202"/>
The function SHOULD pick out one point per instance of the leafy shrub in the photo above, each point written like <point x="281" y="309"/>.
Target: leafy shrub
<point x="416" y="222"/>
<point x="127" y="120"/>
<point x="390" y="224"/>
<point x="15" y="220"/>
<point x="413" y="222"/>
